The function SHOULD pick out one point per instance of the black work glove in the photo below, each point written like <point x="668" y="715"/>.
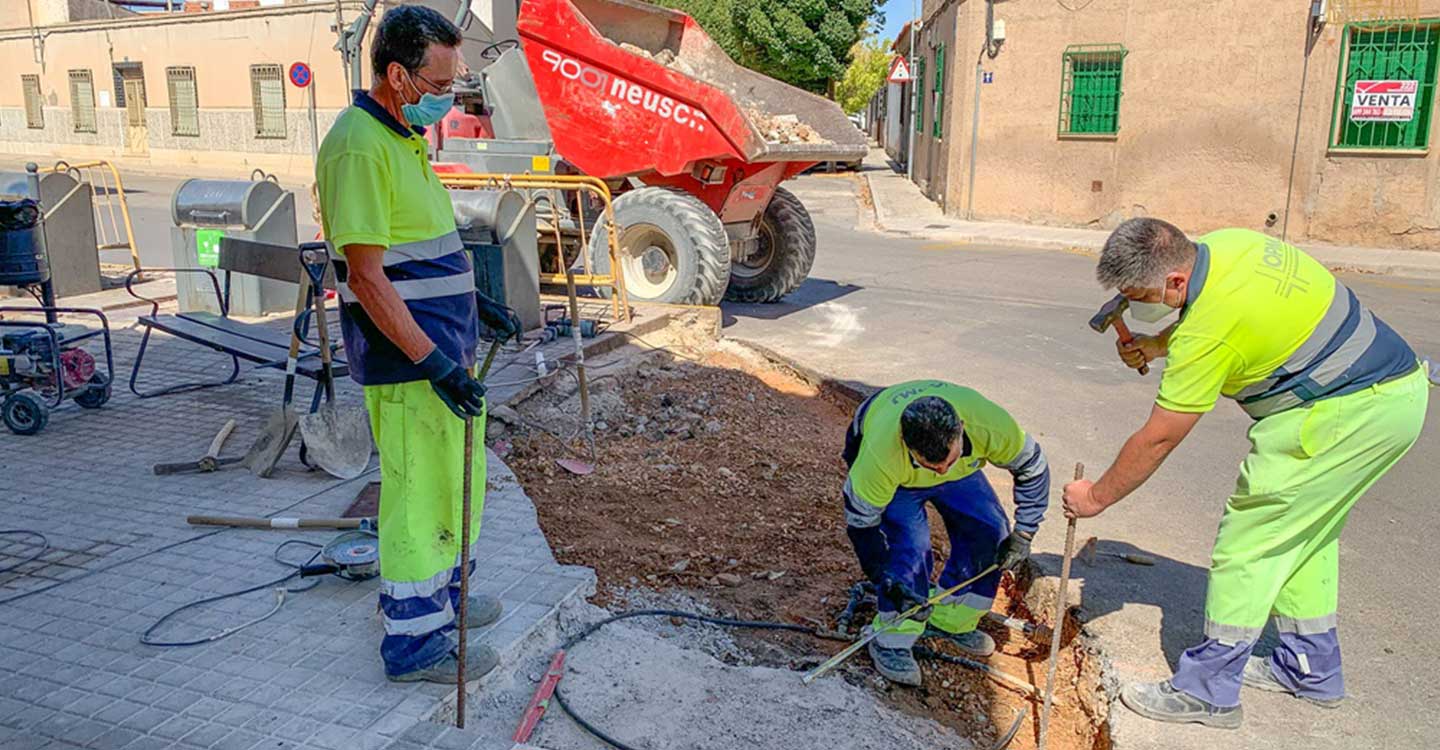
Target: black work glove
<point x="463" y="394"/>
<point x="903" y="597"/>
<point x="1014" y="550"/>
<point x="498" y="318"/>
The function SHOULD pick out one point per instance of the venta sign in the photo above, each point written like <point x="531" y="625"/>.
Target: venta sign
<point x="1384" y="101"/>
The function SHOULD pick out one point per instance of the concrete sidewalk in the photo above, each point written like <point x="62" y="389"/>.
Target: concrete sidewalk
<point x="121" y="555"/>
<point x="901" y="208"/>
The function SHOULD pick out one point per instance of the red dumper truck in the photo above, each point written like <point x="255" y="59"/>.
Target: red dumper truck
<point x="693" y="146"/>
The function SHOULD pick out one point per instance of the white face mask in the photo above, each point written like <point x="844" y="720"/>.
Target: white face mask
<point x="1151" y="312"/>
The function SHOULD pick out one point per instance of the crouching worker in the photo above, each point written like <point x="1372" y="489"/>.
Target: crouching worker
<point x="925" y="442"/>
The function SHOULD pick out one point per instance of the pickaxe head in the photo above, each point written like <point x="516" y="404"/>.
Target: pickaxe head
<point x="1109" y="313"/>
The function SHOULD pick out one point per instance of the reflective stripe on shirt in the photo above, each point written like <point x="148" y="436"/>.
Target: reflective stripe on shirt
<point x="1350" y="349"/>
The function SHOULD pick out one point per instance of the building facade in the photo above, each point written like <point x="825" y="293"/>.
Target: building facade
<point x="172" y="90"/>
<point x="1094" y="111"/>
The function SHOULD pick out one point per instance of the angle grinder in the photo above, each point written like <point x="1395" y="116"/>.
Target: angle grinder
<point x="354" y="556"/>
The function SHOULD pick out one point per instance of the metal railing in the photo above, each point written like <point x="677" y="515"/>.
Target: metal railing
<point x="579" y="184"/>
<point x="113" y="230"/>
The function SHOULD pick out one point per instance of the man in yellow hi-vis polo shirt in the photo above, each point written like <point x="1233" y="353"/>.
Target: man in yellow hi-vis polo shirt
<point x="922" y="442"/>
<point x="1337" y="397"/>
<point x="409" y="315"/>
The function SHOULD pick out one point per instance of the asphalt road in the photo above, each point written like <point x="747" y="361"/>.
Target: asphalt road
<point x="1012" y="323"/>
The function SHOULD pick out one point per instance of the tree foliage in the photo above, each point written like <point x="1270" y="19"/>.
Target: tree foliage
<point x="716" y="17"/>
<point x="870" y="64"/>
<point x="803" y="42"/>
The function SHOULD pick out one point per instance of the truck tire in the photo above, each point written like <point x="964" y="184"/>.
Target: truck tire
<point x="673" y="248"/>
<point x="785" y="255"/>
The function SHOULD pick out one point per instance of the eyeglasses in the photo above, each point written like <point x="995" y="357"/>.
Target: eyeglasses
<point x="438" y="88"/>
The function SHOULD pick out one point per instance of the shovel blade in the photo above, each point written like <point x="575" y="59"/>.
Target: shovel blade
<point x="338" y="440"/>
<point x="575" y="466"/>
<point x="271" y="443"/>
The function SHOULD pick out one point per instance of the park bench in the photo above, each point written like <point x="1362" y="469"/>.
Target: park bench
<point x="264" y="345"/>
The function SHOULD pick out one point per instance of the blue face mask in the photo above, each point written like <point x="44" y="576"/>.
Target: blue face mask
<point x="430" y="109"/>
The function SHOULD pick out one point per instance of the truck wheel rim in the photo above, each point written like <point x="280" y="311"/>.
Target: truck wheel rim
<point x="649" y="259"/>
<point x="756" y="264"/>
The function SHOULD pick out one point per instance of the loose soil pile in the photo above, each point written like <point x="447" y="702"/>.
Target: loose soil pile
<point x="721" y="477"/>
<point x="783" y="128"/>
<point x="775" y="128"/>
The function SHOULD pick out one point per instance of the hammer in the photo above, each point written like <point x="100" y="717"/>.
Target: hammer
<point x="1111" y="315"/>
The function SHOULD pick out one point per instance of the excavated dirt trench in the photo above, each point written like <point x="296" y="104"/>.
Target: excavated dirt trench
<point x="718" y="476"/>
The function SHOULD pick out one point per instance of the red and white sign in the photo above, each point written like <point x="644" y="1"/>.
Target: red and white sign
<point x="1384" y="101"/>
<point x="899" y="71"/>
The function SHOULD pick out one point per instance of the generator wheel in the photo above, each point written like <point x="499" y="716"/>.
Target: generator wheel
<point x="24" y="413"/>
<point x="673" y="248"/>
<point x="96" y="393"/>
<point x="784" y="256"/>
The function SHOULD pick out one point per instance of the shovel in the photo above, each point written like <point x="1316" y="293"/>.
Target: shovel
<point x="335" y="439"/>
<point x="280" y="427"/>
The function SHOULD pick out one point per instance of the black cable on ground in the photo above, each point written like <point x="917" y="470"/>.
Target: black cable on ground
<point x="44" y="547"/>
<point x="173" y="545"/>
<point x="146" y="638"/>
<point x="1004" y="740"/>
<point x="587" y="632"/>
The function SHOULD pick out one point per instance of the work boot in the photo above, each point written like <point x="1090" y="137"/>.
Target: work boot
<point x="479" y="660"/>
<point x="482" y="610"/>
<point x="1258" y="675"/>
<point x="897" y="665"/>
<point x="976" y="643"/>
<point x="1160" y="701"/>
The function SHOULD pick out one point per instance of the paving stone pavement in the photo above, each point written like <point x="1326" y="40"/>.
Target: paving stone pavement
<point x="73" y="672"/>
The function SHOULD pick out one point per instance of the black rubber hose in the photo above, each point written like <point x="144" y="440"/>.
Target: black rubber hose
<point x="44" y="547"/>
<point x="148" y="639"/>
<point x="721" y="621"/>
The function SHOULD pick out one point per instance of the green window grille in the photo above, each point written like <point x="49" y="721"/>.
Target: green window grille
<point x="184" y="101"/>
<point x="34" y="102"/>
<point x="1387" y="51"/>
<point x="267" y="90"/>
<point x="920" y="95"/>
<point x="82" y="100"/>
<point x="937" y="126"/>
<point x="1090" y="89"/>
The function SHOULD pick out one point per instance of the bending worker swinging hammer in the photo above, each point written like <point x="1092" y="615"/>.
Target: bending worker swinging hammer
<point x="1337" y="397"/>
<point x="925" y="442"/>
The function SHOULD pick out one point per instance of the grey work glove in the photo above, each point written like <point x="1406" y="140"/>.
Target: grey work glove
<point x="1014" y="550"/>
<point x="463" y="394"/>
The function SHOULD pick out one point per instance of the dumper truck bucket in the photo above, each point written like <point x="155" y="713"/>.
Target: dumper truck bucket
<point x="630" y="88"/>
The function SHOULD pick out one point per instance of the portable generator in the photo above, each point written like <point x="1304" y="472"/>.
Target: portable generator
<point x="42" y="365"/>
<point x="41" y="361"/>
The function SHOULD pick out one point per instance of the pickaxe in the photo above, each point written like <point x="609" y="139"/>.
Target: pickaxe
<point x="1111" y="314"/>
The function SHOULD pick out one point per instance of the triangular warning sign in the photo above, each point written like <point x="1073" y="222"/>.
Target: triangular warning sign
<point x="899" y="71"/>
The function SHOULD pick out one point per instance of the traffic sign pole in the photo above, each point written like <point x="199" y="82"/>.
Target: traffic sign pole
<point x="303" y="77"/>
<point x="314" y="130"/>
<point x="914" y="98"/>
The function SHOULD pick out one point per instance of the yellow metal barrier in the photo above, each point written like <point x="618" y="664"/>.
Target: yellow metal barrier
<point x="620" y="298"/>
<point x="113" y="230"/>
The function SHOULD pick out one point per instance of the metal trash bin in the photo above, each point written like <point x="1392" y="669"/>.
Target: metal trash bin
<point x="205" y="211"/>
<point x="69" y="228"/>
<point x="498" y="226"/>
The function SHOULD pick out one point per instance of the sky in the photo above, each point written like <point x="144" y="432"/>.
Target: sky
<point x="897" y="12"/>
